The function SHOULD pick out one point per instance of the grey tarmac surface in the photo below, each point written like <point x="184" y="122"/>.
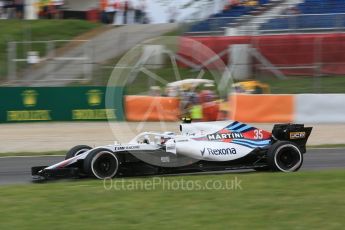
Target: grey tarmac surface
<point x="16" y="170"/>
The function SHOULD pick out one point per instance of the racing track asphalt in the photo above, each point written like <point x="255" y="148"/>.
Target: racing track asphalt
<point x="16" y="170"/>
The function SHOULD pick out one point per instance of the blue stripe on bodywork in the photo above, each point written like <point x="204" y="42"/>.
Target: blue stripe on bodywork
<point x="254" y="142"/>
<point x="239" y="127"/>
<point x="234" y="125"/>
<point x="244" y="128"/>
<point x="248" y="144"/>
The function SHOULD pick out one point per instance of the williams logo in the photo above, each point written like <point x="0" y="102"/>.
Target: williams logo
<point x="221" y="136"/>
<point x="29" y="98"/>
<point x="94" y="97"/>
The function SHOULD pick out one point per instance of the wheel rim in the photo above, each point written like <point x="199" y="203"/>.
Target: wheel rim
<point x="104" y="165"/>
<point x="288" y="158"/>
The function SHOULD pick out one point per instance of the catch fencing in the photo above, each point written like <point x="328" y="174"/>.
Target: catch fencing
<point x="277" y="56"/>
<point x="35" y="61"/>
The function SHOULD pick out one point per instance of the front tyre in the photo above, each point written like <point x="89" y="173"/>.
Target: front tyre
<point x="101" y="163"/>
<point x="77" y="150"/>
<point x="284" y="156"/>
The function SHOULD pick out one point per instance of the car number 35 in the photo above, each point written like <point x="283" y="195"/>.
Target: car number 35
<point x="258" y="134"/>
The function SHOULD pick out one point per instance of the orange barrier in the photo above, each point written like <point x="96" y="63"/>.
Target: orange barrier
<point x="148" y="108"/>
<point x="262" y="108"/>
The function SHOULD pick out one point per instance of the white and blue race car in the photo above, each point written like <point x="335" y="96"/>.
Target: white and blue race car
<point x="202" y="146"/>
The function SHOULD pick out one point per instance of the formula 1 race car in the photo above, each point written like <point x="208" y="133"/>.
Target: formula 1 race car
<point x="202" y="146"/>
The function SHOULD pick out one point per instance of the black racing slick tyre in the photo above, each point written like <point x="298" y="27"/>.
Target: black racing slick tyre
<point x="77" y="150"/>
<point x="101" y="163"/>
<point x="284" y="156"/>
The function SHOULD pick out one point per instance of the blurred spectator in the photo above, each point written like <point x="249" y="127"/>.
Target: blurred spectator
<point x="2" y="10"/>
<point x="206" y="96"/>
<point x="58" y="4"/>
<point x="195" y="110"/>
<point x="140" y="12"/>
<point x="184" y="102"/>
<point x="172" y="11"/>
<point x="251" y="3"/>
<point x="137" y="13"/>
<point x="110" y="10"/>
<point x="102" y="6"/>
<point x="230" y="4"/>
<point x="291" y="10"/>
<point x="46" y="12"/>
<point x="125" y="11"/>
<point x="234" y="2"/>
<point x="210" y="107"/>
<point x="19" y="8"/>
<point x="117" y="6"/>
<point x="9" y="9"/>
<point x="210" y="111"/>
<point x="50" y="9"/>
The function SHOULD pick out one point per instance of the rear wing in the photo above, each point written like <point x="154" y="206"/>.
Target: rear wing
<point x="295" y="133"/>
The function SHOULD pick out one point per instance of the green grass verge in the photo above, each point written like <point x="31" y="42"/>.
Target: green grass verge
<point x="37" y="30"/>
<point x="303" y="200"/>
<point x="293" y="85"/>
<point x="142" y="81"/>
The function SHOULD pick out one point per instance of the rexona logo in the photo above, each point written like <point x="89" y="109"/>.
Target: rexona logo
<point x="220" y="136"/>
<point x="297" y="135"/>
<point x="218" y="152"/>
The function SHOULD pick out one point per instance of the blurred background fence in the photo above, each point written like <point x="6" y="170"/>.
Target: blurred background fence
<point x="270" y="24"/>
<point x="281" y="47"/>
<point x="37" y="61"/>
<point x="313" y="59"/>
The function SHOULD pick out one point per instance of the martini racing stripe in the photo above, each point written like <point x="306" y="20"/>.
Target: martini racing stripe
<point x="251" y="145"/>
<point x="255" y="142"/>
<point x="234" y="125"/>
<point x="239" y="127"/>
<point x="245" y="128"/>
<point x="246" y="145"/>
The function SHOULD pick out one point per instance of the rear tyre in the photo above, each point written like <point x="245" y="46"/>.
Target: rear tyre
<point x="284" y="156"/>
<point x="77" y="150"/>
<point x="101" y="163"/>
